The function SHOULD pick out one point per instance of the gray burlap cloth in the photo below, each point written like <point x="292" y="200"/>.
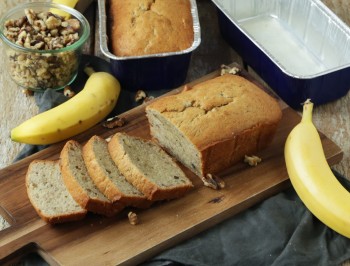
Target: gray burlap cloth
<point x="278" y="231"/>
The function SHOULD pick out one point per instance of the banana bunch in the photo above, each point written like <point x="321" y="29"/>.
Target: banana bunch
<point x="312" y="177"/>
<point x="92" y="104"/>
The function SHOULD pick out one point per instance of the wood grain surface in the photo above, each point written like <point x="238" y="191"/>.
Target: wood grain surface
<point x="333" y="119"/>
<point x="200" y="209"/>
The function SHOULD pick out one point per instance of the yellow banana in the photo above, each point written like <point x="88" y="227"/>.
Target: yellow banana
<point x="69" y="3"/>
<point x="93" y="103"/>
<point x="312" y="177"/>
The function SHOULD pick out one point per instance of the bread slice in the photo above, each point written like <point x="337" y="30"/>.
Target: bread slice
<point x="80" y="184"/>
<point x="107" y="176"/>
<point x="150" y="169"/>
<point x="48" y="194"/>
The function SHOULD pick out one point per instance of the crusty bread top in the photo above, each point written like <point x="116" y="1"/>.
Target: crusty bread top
<point x="141" y="27"/>
<point x="49" y="195"/>
<point x="220" y="102"/>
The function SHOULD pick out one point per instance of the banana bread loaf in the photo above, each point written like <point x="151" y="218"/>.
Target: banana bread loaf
<point x="142" y="27"/>
<point x="215" y="123"/>
<point x="150" y="169"/>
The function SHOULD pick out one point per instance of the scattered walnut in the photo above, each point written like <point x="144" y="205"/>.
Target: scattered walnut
<point x="27" y="92"/>
<point x="113" y="122"/>
<point x="133" y="219"/>
<point x="252" y="160"/>
<point x="229" y="70"/>
<point x="68" y="92"/>
<point x="213" y="181"/>
<point x="140" y="95"/>
<point x="148" y="98"/>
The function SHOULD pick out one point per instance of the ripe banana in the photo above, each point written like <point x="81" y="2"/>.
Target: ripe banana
<point x="69" y="3"/>
<point x="93" y="103"/>
<point x="312" y="177"/>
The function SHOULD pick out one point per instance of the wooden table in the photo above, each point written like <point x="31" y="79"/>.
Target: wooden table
<point x="333" y="119"/>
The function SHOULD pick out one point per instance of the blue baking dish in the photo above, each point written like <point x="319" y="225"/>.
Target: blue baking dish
<point x="151" y="72"/>
<point x="300" y="48"/>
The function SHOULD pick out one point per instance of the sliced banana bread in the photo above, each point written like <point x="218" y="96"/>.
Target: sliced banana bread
<point x="48" y="194"/>
<point x="80" y="184"/>
<point x="150" y="169"/>
<point x="107" y="176"/>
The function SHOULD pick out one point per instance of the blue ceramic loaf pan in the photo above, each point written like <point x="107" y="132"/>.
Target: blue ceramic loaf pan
<point x="300" y="48"/>
<point x="151" y="72"/>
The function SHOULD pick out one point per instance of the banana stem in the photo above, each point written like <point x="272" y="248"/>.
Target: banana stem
<point x="89" y="70"/>
<point x="307" y="111"/>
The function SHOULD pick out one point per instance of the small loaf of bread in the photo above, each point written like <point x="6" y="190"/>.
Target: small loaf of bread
<point x="48" y="194"/>
<point x="150" y="169"/>
<point x="142" y="27"/>
<point x="214" y="124"/>
<point x="107" y="176"/>
<point x="79" y="183"/>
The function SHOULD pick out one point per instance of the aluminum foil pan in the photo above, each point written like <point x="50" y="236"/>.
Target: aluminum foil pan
<point x="149" y="72"/>
<point x="299" y="47"/>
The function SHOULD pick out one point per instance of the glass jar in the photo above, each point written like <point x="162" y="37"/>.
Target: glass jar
<point x="43" y="53"/>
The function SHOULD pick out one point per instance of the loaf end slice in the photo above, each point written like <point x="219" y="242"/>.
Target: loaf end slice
<point x="107" y="176"/>
<point x="150" y="169"/>
<point x="48" y="194"/>
<point x="80" y="184"/>
<point x="214" y="124"/>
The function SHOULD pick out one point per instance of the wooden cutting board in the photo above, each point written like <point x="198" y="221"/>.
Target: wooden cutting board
<point x="112" y="241"/>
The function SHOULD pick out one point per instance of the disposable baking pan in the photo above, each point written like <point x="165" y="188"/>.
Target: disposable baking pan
<point x="299" y="47"/>
<point x="149" y="72"/>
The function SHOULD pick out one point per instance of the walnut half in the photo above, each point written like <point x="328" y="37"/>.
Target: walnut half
<point x="213" y="181"/>
<point x="229" y="70"/>
<point x="113" y="122"/>
<point x="133" y="219"/>
<point x="68" y="92"/>
<point x="252" y="160"/>
<point x="140" y="96"/>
